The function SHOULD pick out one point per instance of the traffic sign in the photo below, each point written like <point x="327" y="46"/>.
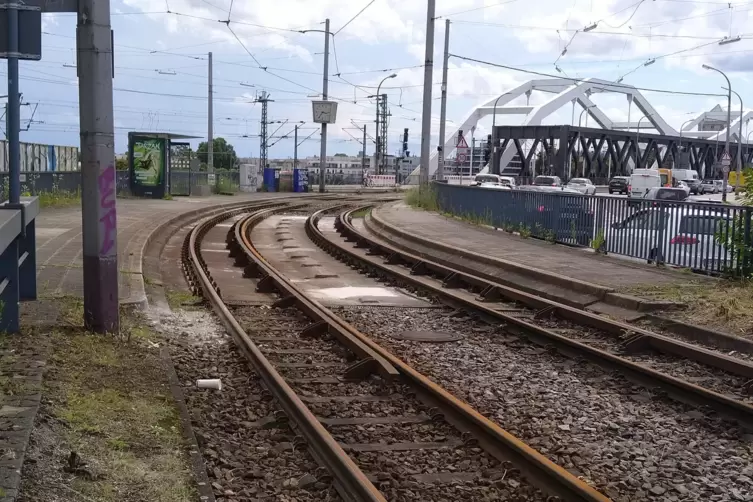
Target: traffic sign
<point x="462" y="149"/>
<point x="726" y="159"/>
<point x="461" y="143"/>
<point x="462" y="158"/>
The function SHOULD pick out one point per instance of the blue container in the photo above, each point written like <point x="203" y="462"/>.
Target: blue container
<point x="270" y="179"/>
<point x="300" y="180"/>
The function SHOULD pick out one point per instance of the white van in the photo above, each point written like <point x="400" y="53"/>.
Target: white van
<point x="641" y="181"/>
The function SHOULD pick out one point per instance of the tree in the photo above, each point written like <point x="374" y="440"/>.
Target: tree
<point x="224" y="154"/>
<point x="121" y="163"/>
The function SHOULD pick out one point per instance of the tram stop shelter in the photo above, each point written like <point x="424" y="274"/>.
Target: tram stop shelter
<point x="152" y="158"/>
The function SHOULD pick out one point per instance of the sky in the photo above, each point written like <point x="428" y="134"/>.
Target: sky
<point x="161" y="51"/>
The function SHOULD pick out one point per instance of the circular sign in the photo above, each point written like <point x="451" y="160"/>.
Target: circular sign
<point x="462" y="158"/>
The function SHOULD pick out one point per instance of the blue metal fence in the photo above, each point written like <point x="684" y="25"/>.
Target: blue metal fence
<point x="701" y="236"/>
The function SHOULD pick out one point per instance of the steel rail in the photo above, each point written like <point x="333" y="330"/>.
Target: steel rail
<point x="635" y="336"/>
<point x="350" y="481"/>
<point x="538" y="469"/>
<point x="675" y="387"/>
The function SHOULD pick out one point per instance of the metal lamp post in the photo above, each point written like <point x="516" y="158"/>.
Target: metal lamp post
<point x="739" y="145"/>
<point x="378" y="97"/>
<point x="679" y="147"/>
<point x="729" y="123"/>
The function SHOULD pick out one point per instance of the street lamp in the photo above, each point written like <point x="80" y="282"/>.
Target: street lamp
<point x="377" y="164"/>
<point x="637" y="147"/>
<point x="739" y="144"/>
<point x="679" y="148"/>
<point x="729" y="123"/>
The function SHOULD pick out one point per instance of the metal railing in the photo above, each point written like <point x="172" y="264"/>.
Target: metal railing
<point x="701" y="236"/>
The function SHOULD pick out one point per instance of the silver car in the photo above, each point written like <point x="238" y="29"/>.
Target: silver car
<point x="582" y="185"/>
<point x="681" y="236"/>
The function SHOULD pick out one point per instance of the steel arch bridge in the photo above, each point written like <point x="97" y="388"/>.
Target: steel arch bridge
<point x="623" y="147"/>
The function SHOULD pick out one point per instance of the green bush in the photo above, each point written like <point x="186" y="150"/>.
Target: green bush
<point x="423" y="198"/>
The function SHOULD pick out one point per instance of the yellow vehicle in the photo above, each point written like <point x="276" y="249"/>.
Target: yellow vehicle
<point x="732" y="181"/>
<point x="666" y="177"/>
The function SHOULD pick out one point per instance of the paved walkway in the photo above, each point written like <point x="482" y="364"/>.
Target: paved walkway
<point x="576" y="263"/>
<point x="59" y="245"/>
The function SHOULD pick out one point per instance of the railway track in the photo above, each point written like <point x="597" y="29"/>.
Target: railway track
<point x="381" y="429"/>
<point x="687" y="372"/>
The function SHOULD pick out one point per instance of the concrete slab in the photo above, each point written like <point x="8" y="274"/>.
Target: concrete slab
<point x="331" y="282"/>
<point x="580" y="264"/>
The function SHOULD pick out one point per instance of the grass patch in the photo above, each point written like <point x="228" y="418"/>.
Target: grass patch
<point x="722" y="305"/>
<point x="180" y="299"/>
<point x="112" y="395"/>
<point x="59" y="198"/>
<point x="361" y="213"/>
<point x="423" y="198"/>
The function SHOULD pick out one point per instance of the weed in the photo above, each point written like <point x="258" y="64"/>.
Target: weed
<point x="424" y="197"/>
<point x="524" y="231"/>
<point x="550" y="236"/>
<point x="168" y="196"/>
<point x="361" y="213"/>
<point x="59" y="198"/>
<point x="599" y="243"/>
<point x="177" y="299"/>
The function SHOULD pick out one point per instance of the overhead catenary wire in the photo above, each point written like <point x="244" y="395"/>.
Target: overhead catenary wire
<point x="579" y="80"/>
<point x="353" y="18"/>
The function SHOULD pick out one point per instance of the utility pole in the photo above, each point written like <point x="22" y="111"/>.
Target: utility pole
<point x="377" y="160"/>
<point x="100" y="246"/>
<point x="13" y="108"/>
<point x="383" y="123"/>
<point x="363" y="156"/>
<point x="428" y="75"/>
<point x="443" y="106"/>
<point x="295" y="148"/>
<point x="325" y="84"/>
<point x="210" y="132"/>
<point x="263" y="140"/>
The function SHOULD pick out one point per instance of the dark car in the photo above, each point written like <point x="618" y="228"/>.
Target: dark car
<point x="695" y="186"/>
<point x="619" y="184"/>
<point x="547" y="181"/>
<point x="664" y="193"/>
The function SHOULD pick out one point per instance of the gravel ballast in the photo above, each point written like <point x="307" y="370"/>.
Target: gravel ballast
<point x="627" y="442"/>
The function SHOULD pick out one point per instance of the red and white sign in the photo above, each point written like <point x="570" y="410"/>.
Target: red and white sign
<point x="726" y="159"/>
<point x="462" y="149"/>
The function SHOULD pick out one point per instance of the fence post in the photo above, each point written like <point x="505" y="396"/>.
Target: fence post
<point x="747" y="265"/>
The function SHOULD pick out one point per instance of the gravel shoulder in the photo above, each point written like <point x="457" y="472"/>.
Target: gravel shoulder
<point x="722" y="305"/>
<point x="108" y="428"/>
<point x="629" y="443"/>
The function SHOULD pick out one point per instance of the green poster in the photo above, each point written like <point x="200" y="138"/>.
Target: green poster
<point x="148" y="162"/>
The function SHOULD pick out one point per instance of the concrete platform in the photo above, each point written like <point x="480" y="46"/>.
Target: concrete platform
<point x="283" y="242"/>
<point x="59" y="241"/>
<point x="560" y="272"/>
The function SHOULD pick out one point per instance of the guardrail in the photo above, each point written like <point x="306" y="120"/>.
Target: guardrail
<point x="18" y="274"/>
<point x="701" y="236"/>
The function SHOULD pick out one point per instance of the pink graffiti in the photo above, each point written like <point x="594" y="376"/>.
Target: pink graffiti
<point x="106" y="183"/>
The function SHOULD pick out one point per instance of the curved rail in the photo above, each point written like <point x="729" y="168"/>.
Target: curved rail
<point x="680" y="389"/>
<point x="542" y="472"/>
<point x="351" y="482"/>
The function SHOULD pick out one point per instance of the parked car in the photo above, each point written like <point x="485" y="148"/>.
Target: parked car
<point x="683" y="186"/>
<point x="570" y="216"/>
<point x="582" y="185"/>
<point x="720" y="186"/>
<point x="689" y="177"/>
<point x="509" y="181"/>
<point x="661" y="193"/>
<point x="680" y="236"/>
<point x="485" y="178"/>
<point x="709" y="186"/>
<point x="619" y="184"/>
<point x="547" y="181"/>
<point x="495" y="186"/>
